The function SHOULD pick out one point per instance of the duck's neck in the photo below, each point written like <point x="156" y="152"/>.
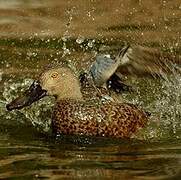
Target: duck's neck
<point x="70" y="92"/>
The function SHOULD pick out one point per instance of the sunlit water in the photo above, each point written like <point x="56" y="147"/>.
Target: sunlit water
<point x="27" y="150"/>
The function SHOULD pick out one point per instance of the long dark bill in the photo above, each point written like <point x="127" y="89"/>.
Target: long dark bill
<point x="34" y="93"/>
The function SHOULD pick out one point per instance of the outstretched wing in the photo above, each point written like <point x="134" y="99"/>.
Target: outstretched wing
<point x="143" y="61"/>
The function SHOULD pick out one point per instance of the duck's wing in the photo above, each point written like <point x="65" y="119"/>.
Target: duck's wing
<point x="102" y="69"/>
<point x="131" y="60"/>
<point x="141" y="61"/>
<point x="102" y="73"/>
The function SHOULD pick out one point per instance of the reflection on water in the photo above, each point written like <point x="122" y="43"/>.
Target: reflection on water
<point x="35" y="33"/>
<point x="103" y="159"/>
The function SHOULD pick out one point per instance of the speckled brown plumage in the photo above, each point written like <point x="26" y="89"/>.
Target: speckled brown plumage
<point x="109" y="119"/>
<point x="74" y="115"/>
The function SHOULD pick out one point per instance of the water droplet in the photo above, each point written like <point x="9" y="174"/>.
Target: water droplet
<point x="91" y="43"/>
<point x="1" y="73"/>
<point x="80" y="40"/>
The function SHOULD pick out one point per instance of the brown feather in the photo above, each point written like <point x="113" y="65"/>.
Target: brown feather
<point x="110" y="119"/>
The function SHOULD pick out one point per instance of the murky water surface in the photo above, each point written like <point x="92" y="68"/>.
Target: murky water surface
<point x="36" y="33"/>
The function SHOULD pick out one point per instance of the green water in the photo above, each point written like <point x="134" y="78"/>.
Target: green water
<point x="27" y="150"/>
<point x="103" y="159"/>
<point x="36" y="33"/>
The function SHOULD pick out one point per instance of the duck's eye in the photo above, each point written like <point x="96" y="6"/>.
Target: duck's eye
<point x="54" y="75"/>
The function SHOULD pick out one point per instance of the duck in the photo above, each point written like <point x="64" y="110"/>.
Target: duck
<point x="73" y="115"/>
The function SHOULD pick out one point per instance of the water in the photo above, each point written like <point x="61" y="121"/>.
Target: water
<point x="35" y="33"/>
<point x="101" y="160"/>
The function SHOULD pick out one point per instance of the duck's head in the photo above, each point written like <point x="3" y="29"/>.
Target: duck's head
<point x="59" y="82"/>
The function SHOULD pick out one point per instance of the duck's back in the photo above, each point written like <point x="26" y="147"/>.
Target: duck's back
<point x="109" y="119"/>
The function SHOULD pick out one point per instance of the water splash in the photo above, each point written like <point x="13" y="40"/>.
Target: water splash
<point x="163" y="99"/>
<point x="169" y="105"/>
<point x="80" y="39"/>
<point x="38" y="114"/>
<point x="1" y="74"/>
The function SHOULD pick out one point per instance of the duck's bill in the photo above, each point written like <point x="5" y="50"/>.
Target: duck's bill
<point x="34" y="93"/>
